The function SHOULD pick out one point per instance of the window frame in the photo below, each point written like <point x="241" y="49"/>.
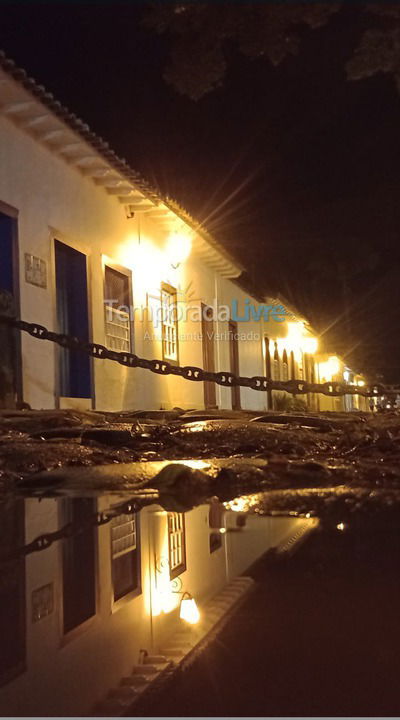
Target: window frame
<point x="178" y="569"/>
<point x="108" y="263"/>
<point x="137" y="559"/>
<point x="170" y="290"/>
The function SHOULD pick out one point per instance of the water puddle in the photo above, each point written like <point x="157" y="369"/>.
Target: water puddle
<point x="114" y="539"/>
<point x="91" y="584"/>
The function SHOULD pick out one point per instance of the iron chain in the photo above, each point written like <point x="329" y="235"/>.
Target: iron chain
<point x="97" y="519"/>
<point x="197" y="374"/>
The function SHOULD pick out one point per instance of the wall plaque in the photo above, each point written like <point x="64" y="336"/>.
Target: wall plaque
<point x="42" y="602"/>
<point x="35" y="271"/>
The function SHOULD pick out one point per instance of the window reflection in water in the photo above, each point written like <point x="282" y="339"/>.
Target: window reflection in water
<point x="125" y="554"/>
<point x="88" y="605"/>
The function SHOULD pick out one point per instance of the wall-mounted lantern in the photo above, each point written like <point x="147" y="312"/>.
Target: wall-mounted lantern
<point x="178" y="248"/>
<point x="188" y="610"/>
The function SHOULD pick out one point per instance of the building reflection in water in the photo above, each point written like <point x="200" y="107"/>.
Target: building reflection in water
<point x="75" y="617"/>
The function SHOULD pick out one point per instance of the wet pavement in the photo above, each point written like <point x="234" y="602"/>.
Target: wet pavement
<point x="300" y="462"/>
<point x="96" y="510"/>
<point x="319" y="636"/>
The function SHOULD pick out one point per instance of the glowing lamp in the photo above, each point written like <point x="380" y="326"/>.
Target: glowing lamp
<point x="333" y="365"/>
<point x="310" y="345"/>
<point x="189" y="612"/>
<point x="361" y="383"/>
<point x="346" y="375"/>
<point x="295" y="333"/>
<point x="178" y="248"/>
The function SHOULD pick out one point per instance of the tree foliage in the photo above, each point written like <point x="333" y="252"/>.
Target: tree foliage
<point x="379" y="48"/>
<point x="205" y="36"/>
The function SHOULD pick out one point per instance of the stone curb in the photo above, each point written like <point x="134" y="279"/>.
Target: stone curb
<point x="179" y="652"/>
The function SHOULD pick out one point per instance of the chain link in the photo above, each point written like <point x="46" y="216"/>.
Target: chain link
<point x="197" y="374"/>
<point x="97" y="519"/>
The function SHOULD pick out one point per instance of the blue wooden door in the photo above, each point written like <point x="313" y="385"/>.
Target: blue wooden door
<point x="10" y="387"/>
<point x="73" y="319"/>
<point x="6" y="253"/>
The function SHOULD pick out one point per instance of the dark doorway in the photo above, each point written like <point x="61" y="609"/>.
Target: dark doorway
<point x="72" y="319"/>
<point x="234" y="361"/>
<point x="12" y="593"/>
<point x="268" y="370"/>
<point x="7" y="232"/>
<point x="207" y="331"/>
<point x="292" y="366"/>
<point x="10" y="361"/>
<point x="309" y="376"/>
<point x="79" y="598"/>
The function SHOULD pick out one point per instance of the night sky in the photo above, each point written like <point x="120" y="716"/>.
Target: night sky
<point x="294" y="169"/>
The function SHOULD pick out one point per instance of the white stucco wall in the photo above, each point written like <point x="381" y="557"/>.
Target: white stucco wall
<point x="74" y="671"/>
<point x="56" y="201"/>
<point x="259" y="535"/>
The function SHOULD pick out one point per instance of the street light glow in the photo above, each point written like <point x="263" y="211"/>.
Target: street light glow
<point x="178" y="248"/>
<point x="310" y="345"/>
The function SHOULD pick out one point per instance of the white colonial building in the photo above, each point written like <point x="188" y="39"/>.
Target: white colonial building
<point x="89" y="249"/>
